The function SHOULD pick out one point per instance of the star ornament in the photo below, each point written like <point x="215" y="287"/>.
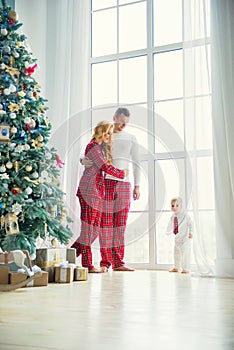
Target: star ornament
<point x="13" y="107"/>
<point x="4" y="176"/>
<point x="16" y="208"/>
<point x="12" y="71"/>
<point x="37" y="144"/>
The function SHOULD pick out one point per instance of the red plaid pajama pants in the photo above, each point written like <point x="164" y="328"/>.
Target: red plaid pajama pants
<point x="115" y="211"/>
<point x="107" y="219"/>
<point x="91" y="215"/>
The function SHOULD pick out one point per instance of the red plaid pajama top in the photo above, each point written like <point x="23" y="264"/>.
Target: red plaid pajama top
<point x="91" y="193"/>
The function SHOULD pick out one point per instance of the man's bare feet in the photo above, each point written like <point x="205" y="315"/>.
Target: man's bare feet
<point x="123" y="268"/>
<point x="174" y="270"/>
<point x="96" y="270"/>
<point x="184" y="271"/>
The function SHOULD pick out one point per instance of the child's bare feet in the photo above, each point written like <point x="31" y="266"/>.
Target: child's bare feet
<point x="184" y="271"/>
<point x="174" y="270"/>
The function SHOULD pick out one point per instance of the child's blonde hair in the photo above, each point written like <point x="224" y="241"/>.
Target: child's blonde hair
<point x="177" y="200"/>
<point x="101" y="129"/>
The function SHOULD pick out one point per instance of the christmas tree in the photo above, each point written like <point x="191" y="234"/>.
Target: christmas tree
<point x="31" y="202"/>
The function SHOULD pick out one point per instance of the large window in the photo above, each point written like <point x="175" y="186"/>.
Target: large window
<point x="141" y="58"/>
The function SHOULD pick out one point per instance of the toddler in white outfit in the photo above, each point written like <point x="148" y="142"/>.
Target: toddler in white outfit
<point x="181" y="226"/>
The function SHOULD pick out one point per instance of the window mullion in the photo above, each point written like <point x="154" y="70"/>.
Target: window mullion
<point x="150" y="83"/>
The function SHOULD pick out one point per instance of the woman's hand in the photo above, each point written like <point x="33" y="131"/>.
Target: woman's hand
<point x="126" y="172"/>
<point x="86" y="162"/>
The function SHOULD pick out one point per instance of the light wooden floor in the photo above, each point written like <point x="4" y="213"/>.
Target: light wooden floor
<point x="121" y="310"/>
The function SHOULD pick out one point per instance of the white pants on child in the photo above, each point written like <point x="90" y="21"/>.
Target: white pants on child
<point x="182" y="254"/>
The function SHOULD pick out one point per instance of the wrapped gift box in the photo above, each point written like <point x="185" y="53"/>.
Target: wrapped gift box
<point x="46" y="258"/>
<point x="4" y="271"/>
<point x="80" y="273"/>
<point x="64" y="274"/>
<point x="16" y="277"/>
<point x="40" y="281"/>
<point x="71" y="255"/>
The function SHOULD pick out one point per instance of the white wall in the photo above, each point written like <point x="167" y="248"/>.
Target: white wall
<point x="33" y="15"/>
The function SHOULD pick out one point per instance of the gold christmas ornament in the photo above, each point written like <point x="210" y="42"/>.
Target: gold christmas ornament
<point x="28" y="168"/>
<point x="11" y="224"/>
<point x="40" y="138"/>
<point x="16" y="165"/>
<point x="12" y="15"/>
<point x="2" y="221"/>
<point x="54" y="242"/>
<point x="68" y="244"/>
<point x="21" y="93"/>
<point x="13" y="130"/>
<point x="12" y="60"/>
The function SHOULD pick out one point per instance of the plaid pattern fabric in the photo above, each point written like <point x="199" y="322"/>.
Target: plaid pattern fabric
<point x="175" y="228"/>
<point x="86" y="254"/>
<point x="92" y="183"/>
<point x="115" y="208"/>
<point x="91" y="192"/>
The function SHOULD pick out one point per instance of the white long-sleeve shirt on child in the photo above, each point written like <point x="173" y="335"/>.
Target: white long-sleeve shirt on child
<point x="185" y="227"/>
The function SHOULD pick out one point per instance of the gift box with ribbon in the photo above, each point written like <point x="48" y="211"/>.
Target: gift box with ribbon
<point x="46" y="258"/>
<point x="17" y="277"/>
<point x="80" y="273"/>
<point x="64" y="272"/>
<point x="40" y="281"/>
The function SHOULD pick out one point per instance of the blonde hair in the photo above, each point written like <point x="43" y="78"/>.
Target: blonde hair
<point x="101" y="129"/>
<point x="177" y="200"/>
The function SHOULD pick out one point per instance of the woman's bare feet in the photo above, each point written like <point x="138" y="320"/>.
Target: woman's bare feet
<point x="104" y="269"/>
<point x="174" y="270"/>
<point x="184" y="271"/>
<point x="98" y="270"/>
<point x="95" y="270"/>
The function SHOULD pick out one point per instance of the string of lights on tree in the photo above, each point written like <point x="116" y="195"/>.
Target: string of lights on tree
<point x="31" y="202"/>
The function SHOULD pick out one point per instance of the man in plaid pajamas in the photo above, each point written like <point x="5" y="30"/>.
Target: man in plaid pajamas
<point x="118" y="194"/>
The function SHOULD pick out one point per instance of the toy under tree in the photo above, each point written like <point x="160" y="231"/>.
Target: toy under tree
<point x="31" y="202"/>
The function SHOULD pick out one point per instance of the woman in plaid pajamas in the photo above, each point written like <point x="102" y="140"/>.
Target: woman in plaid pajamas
<point x="118" y="193"/>
<point x="91" y="191"/>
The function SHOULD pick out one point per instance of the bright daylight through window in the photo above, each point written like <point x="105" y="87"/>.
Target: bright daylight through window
<point x="153" y="57"/>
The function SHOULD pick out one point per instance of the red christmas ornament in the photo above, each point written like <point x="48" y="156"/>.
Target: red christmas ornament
<point x="30" y="70"/>
<point x="11" y="22"/>
<point x="28" y="127"/>
<point x="15" y="190"/>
